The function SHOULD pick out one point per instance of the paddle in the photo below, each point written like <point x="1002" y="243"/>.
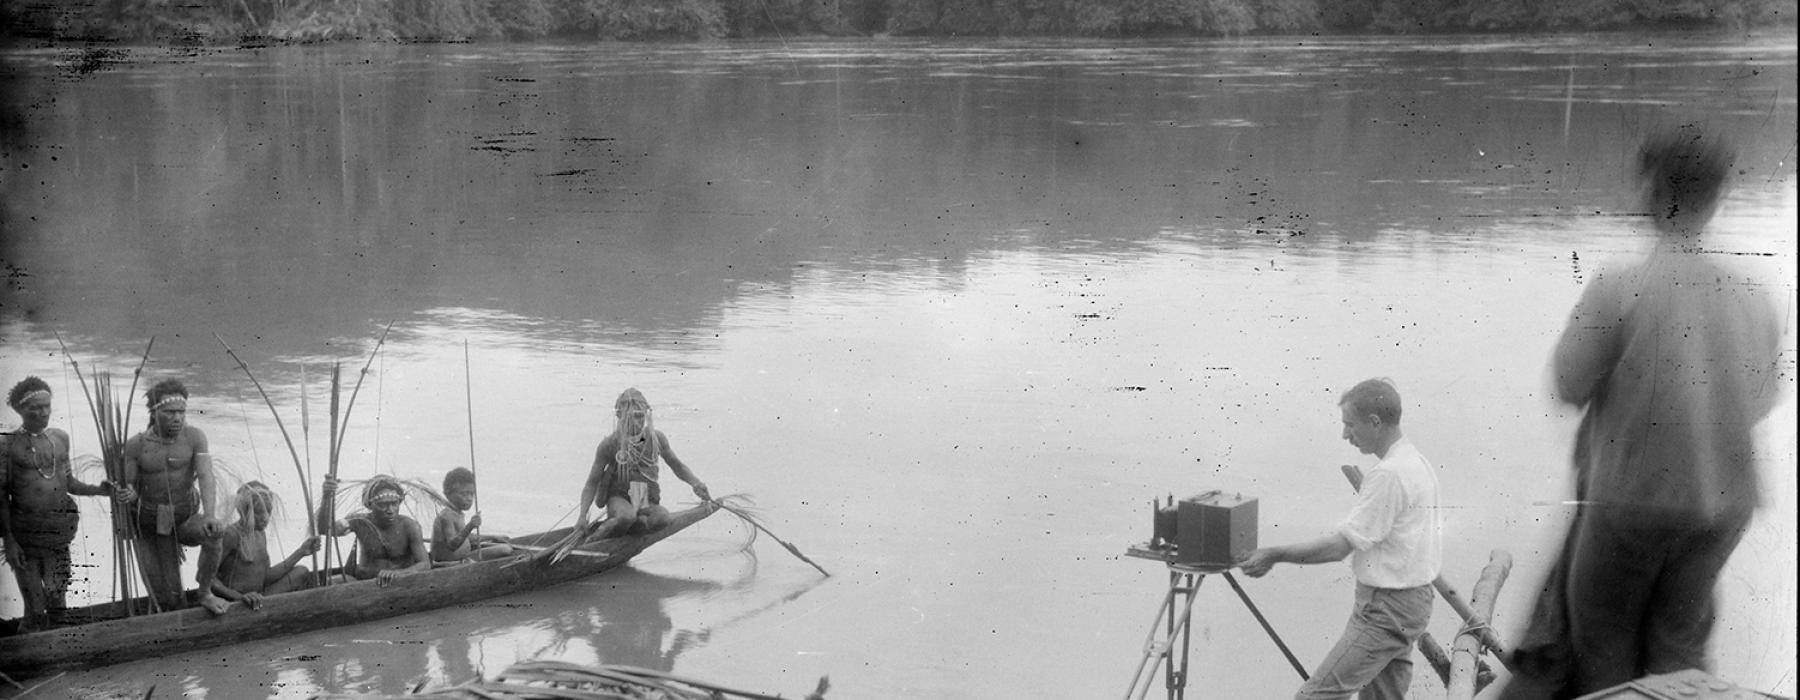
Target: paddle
<point x="737" y="511"/>
<point x="574" y="539"/>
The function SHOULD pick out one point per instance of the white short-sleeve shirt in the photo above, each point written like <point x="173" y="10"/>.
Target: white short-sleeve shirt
<point x="1394" y="526"/>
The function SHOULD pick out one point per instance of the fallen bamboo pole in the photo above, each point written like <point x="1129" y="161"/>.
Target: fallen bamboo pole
<point x="1467" y="649"/>
<point x="1486" y="634"/>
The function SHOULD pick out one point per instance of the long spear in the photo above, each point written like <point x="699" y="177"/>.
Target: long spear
<point x="331" y="465"/>
<point x="110" y="416"/>
<point x="93" y="408"/>
<point x="306" y="428"/>
<point x="336" y="443"/>
<point x="469" y="401"/>
<point x="299" y="467"/>
<point x="306" y="479"/>
<point x="99" y="426"/>
<point x="111" y="428"/>
<point x="125" y="428"/>
<point x="337" y="435"/>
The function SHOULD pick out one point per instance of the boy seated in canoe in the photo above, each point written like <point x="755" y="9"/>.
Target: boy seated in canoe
<point x="389" y="545"/>
<point x="623" y="477"/>
<point x="452" y="540"/>
<point x="244" y="571"/>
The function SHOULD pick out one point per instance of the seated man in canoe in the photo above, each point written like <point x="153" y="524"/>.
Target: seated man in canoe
<point x="244" y="571"/>
<point x="623" y="477"/>
<point x="452" y="540"/>
<point x="388" y="544"/>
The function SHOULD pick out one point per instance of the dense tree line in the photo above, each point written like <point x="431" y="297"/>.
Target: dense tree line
<point x="209" y="21"/>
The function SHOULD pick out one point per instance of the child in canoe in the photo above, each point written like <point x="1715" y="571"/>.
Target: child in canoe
<point x="454" y="541"/>
<point x="623" y="478"/>
<point x="244" y="570"/>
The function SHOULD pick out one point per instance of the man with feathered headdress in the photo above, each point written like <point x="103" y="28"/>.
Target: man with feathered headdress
<point x="623" y="478"/>
<point x="389" y="544"/>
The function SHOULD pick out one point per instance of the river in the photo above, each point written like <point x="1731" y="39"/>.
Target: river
<point x="952" y="312"/>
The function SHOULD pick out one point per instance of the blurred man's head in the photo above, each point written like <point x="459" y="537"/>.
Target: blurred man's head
<point x="1684" y="172"/>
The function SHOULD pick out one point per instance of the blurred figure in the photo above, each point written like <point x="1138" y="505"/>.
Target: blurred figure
<point x="1673" y="359"/>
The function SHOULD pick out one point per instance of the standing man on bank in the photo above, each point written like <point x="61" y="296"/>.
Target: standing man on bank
<point x="1393" y="539"/>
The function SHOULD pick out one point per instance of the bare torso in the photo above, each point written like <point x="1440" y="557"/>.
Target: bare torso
<point x="244" y="565"/>
<point x="37" y="470"/>
<point x="397" y="545"/>
<point x="448" y="528"/>
<point x="165" y="466"/>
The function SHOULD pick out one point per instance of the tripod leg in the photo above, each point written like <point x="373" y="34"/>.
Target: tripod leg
<point x="1154" y="651"/>
<point x="1175" y="681"/>
<point x="1157" y="651"/>
<point x="1265" y="625"/>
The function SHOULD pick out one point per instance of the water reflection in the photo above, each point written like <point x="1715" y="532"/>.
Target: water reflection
<point x="295" y="178"/>
<point x="633" y="628"/>
<point x="626" y="616"/>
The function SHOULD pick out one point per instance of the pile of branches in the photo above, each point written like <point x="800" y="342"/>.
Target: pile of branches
<point x="556" y="680"/>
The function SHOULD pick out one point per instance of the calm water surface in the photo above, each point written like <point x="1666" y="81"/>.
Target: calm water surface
<point x="952" y="313"/>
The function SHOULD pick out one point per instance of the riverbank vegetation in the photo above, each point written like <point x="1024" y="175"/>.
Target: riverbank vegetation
<point x="236" y="21"/>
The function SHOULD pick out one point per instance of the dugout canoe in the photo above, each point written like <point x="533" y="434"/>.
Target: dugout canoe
<point x="100" y="635"/>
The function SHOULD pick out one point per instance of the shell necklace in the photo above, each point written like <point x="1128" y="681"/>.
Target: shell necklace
<point x="36" y="463"/>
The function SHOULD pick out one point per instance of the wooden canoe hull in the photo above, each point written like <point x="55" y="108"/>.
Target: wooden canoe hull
<point x="119" y="640"/>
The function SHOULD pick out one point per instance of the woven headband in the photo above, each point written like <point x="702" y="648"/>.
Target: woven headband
<point x="383" y="489"/>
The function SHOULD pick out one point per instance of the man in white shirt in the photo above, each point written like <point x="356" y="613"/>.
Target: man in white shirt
<point x="1393" y="539"/>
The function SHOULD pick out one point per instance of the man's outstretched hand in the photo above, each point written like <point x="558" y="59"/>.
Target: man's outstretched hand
<point x="1257" y="563"/>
